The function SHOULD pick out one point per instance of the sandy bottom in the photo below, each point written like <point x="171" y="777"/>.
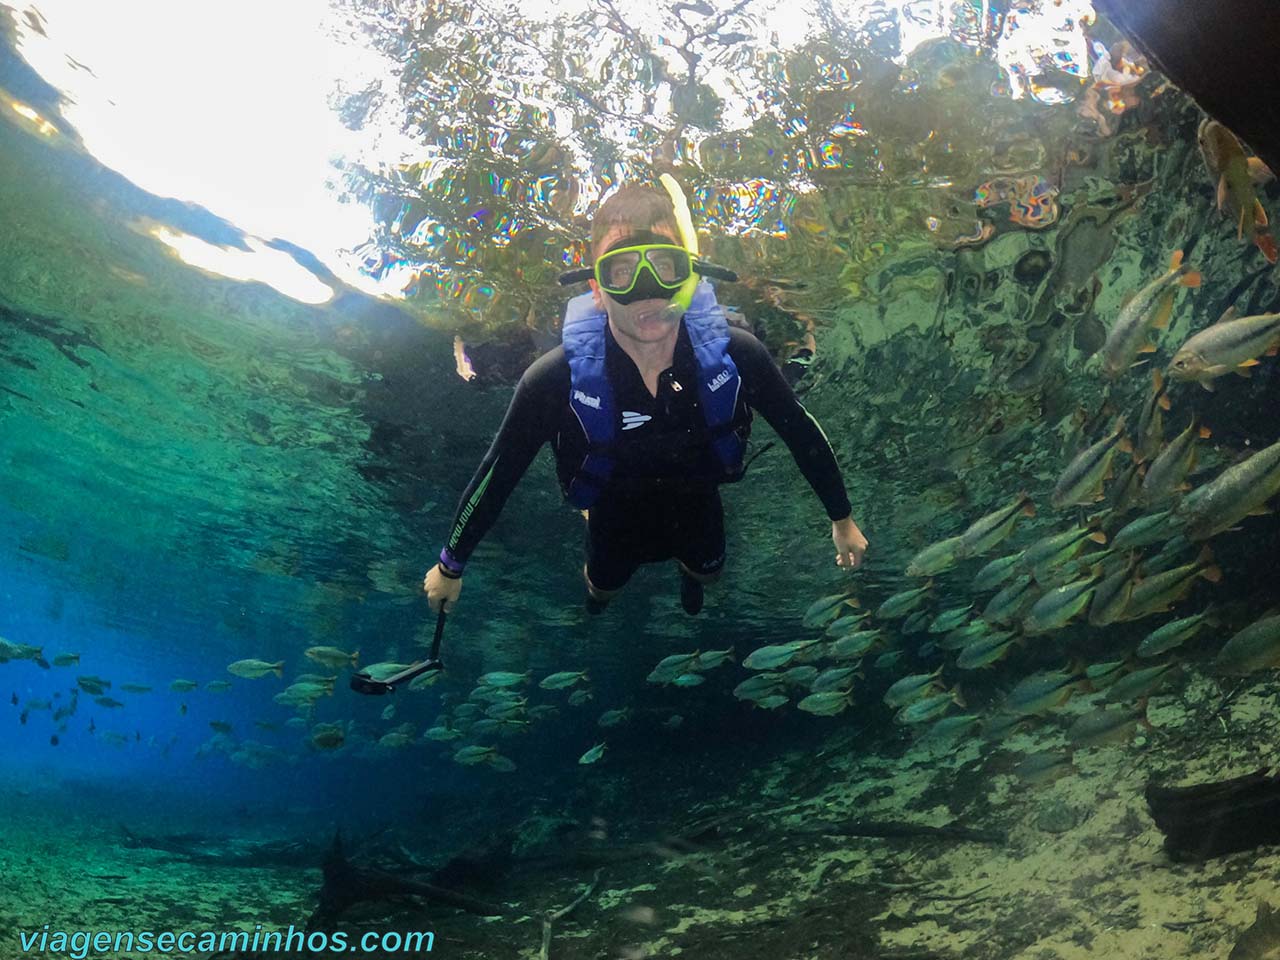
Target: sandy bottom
<point x="1081" y="872"/>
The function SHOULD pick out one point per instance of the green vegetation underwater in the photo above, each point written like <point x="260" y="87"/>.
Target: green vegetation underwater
<point x="269" y="276"/>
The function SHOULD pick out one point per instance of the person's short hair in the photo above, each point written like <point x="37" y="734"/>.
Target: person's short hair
<point x="636" y="205"/>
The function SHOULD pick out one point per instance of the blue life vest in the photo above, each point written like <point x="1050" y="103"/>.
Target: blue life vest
<point x="591" y="394"/>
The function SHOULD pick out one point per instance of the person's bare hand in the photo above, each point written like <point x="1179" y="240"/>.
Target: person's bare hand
<point x="851" y="545"/>
<point x="441" y="589"/>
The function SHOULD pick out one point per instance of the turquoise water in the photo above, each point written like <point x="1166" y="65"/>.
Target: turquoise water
<point x="211" y="460"/>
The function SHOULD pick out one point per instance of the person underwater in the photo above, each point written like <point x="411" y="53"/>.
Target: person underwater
<point x="647" y="404"/>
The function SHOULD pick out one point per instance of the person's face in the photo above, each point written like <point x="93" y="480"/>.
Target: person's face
<point x="643" y="320"/>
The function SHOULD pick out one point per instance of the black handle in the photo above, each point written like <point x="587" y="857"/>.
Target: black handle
<point x="363" y="683"/>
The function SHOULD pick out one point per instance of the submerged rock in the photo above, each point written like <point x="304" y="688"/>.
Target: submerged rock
<point x="1262" y="940"/>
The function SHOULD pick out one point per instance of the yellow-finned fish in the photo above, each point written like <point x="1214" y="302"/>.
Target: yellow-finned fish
<point x="1237" y="176"/>
<point x="1230" y="345"/>
<point x="1150" y="308"/>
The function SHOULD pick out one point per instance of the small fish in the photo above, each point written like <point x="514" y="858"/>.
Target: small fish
<point x="961" y="637"/>
<point x="995" y="573"/>
<point x="1150" y="432"/>
<point x="442" y="734"/>
<point x="772" y="702"/>
<point x="93" y="685"/>
<point x="1139" y="683"/>
<point x="1012" y="602"/>
<point x="328" y="736"/>
<point x="579" y="697"/>
<point x="611" y="718"/>
<point x="928" y="709"/>
<point x="505" y="678"/>
<point x="912" y="688"/>
<point x="845" y="626"/>
<point x="834" y="678"/>
<point x="671" y="667"/>
<point x="1166" y="477"/>
<point x="935" y="558"/>
<point x="1234" y="494"/>
<point x="761" y="685"/>
<point x="221" y="726"/>
<point x="388" y="711"/>
<point x="1150" y="308"/>
<point x="53" y="740"/>
<point x="1232" y="345"/>
<point x="332" y="657"/>
<point x="985" y="651"/>
<point x="826" y="608"/>
<point x="1000" y="725"/>
<point x="773" y="656"/>
<point x="135" y="688"/>
<point x="14" y="700"/>
<point x="915" y="623"/>
<point x="1058" y="548"/>
<point x="1236" y="177"/>
<point x="1060" y="605"/>
<point x="1161" y="591"/>
<point x="473" y="754"/>
<point x="1041" y="692"/>
<point x="827" y="703"/>
<point x="182" y="709"/>
<point x="1042" y="768"/>
<point x="852" y="646"/>
<point x="673" y="722"/>
<point x="889" y="660"/>
<point x="563" y="680"/>
<point x="1256" y="647"/>
<point x="66" y="659"/>
<point x="107" y="702"/>
<point x="1146" y="530"/>
<point x="592" y="755"/>
<point x="1102" y="675"/>
<point x="1113" y="594"/>
<point x="948" y="727"/>
<point x="1104" y="725"/>
<point x="218" y="686"/>
<point x="948" y="620"/>
<point x="1175" y="634"/>
<point x="710" y="659"/>
<point x="986" y="533"/>
<point x="800" y="676"/>
<point x="1081" y="483"/>
<point x="900" y="604"/>
<point x="688" y="680"/>
<point x="253" y="669"/>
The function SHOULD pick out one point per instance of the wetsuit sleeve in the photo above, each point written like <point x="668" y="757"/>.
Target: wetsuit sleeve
<point x="531" y="420"/>
<point x="767" y="390"/>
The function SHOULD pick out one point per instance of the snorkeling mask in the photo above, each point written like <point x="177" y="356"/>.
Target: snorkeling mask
<point x="646" y="266"/>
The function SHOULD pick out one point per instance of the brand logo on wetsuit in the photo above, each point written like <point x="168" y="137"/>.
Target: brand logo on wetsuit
<point x="593" y="402"/>
<point x="631" y="419"/>
<point x="720" y="380"/>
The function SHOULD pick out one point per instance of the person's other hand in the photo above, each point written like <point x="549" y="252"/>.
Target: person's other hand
<point x="441" y="589"/>
<point x="850" y="543"/>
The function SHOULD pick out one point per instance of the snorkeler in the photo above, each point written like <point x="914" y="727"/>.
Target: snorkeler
<point x="647" y="404"/>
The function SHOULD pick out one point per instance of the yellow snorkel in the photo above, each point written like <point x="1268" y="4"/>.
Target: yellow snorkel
<point x="688" y="238"/>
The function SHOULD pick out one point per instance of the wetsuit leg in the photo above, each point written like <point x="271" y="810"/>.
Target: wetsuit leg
<point x="620" y="535"/>
<point x="696" y="525"/>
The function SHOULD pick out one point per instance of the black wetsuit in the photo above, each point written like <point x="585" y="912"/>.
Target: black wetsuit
<point x="662" y="499"/>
